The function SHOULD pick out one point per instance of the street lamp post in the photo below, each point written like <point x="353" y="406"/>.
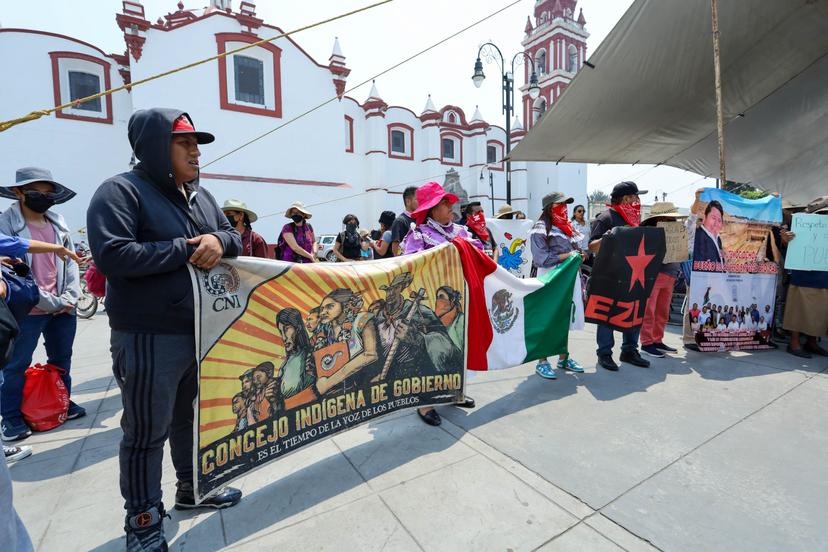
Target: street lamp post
<point x="507" y="91"/>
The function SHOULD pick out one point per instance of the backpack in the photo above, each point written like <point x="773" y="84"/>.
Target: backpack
<point x="23" y="293"/>
<point x="280" y="243"/>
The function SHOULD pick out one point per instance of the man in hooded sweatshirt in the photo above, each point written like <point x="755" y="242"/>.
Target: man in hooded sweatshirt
<point x="145" y="226"/>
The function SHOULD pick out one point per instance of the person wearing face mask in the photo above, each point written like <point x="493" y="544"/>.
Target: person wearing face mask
<point x="296" y="243"/>
<point x="553" y="240"/>
<point x="241" y="218"/>
<point x="473" y="218"/>
<point x="348" y="243"/>
<point x="624" y="210"/>
<point x="57" y="277"/>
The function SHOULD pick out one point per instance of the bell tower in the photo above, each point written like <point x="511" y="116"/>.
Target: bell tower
<point x="556" y="41"/>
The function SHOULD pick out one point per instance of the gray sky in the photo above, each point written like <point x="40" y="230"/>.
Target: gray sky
<point x="375" y="40"/>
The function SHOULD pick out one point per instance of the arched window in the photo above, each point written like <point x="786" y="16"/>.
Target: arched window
<point x="572" y="62"/>
<point x="538" y="109"/>
<point x="540" y="63"/>
<point x="452" y="118"/>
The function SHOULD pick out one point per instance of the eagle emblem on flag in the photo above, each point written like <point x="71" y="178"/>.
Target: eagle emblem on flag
<point x="503" y="311"/>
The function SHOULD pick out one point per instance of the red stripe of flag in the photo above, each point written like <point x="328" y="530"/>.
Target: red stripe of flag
<point x="476" y="266"/>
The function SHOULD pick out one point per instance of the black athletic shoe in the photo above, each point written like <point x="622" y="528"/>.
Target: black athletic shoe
<point x="606" y="362"/>
<point x="467" y="403"/>
<point x="145" y="531"/>
<point x="185" y="498"/>
<point x="431" y="417"/>
<point x="651" y="350"/>
<point x="632" y="357"/>
<point x="75" y="411"/>
<point x="665" y="348"/>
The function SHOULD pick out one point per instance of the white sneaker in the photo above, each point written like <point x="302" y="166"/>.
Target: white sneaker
<point x="13" y="454"/>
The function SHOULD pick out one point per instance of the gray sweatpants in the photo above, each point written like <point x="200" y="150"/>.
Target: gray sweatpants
<point x="158" y="380"/>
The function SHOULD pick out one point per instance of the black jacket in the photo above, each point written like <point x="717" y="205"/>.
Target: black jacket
<point x="138" y="225"/>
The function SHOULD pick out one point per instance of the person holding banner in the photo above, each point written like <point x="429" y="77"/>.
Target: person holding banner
<point x="806" y="309"/>
<point x="433" y="217"/>
<point x="658" y="304"/>
<point x="553" y="240"/>
<point x="624" y="210"/>
<point x="474" y="219"/>
<point x="145" y="227"/>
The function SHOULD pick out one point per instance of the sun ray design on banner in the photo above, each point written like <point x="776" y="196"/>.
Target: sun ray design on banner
<point x="254" y="338"/>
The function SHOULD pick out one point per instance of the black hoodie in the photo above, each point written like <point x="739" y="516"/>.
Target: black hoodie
<point x="138" y="225"/>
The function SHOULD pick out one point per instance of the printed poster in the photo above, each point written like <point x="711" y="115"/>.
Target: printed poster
<point x="513" y="250"/>
<point x="809" y="249"/>
<point x="733" y="282"/>
<point x="290" y="354"/>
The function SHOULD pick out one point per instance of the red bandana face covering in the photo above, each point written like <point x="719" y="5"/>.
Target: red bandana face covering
<point x="561" y="220"/>
<point x="630" y="212"/>
<point x="477" y="222"/>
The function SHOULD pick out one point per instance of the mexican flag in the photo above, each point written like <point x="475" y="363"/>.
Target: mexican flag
<point x="510" y="320"/>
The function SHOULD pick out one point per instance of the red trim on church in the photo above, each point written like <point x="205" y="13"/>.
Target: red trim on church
<point x="107" y="84"/>
<point x="221" y="40"/>
<point x="350" y="121"/>
<point x="445" y="134"/>
<point x="410" y="132"/>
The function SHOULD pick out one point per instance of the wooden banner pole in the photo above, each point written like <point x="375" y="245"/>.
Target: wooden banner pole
<point x="717" y="69"/>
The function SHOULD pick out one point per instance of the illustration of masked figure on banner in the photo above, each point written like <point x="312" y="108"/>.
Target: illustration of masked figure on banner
<point x="733" y="271"/>
<point x="413" y="338"/>
<point x="449" y="309"/>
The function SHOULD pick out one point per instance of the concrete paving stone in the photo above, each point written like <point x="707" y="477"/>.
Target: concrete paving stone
<point x="553" y="493"/>
<point x="581" y="538"/>
<point x="302" y="485"/>
<point x="370" y="527"/>
<point x="641" y="421"/>
<point x="35" y="497"/>
<point x="391" y="453"/>
<point x="476" y="505"/>
<point x="761" y="485"/>
<point x="617" y="534"/>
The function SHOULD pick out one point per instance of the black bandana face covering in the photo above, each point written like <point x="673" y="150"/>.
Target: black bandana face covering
<point x="38" y="201"/>
<point x="297" y="218"/>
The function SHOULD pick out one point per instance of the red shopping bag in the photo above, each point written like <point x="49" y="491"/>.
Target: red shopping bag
<point x="95" y="281"/>
<point x="45" y="397"/>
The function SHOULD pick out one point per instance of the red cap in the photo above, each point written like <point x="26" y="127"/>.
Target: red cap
<point x="183" y="125"/>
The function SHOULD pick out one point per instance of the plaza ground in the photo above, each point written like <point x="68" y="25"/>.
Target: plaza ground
<point x="699" y="452"/>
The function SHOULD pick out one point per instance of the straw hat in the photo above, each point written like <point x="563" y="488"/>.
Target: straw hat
<point x="236" y="205"/>
<point x="505" y="210"/>
<point x="298" y="206"/>
<point x="663" y="209"/>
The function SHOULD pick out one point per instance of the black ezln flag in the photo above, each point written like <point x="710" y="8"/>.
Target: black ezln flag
<point x="623" y="275"/>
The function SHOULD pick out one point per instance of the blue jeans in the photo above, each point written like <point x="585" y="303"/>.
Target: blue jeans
<point x="58" y="336"/>
<point x="606" y="340"/>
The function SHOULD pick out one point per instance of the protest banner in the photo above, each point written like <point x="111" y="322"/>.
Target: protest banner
<point x="512" y="239"/>
<point x="623" y="275"/>
<point x="289" y="354"/>
<point x="675" y="236"/>
<point x="732" y="282"/>
<point x="809" y="249"/>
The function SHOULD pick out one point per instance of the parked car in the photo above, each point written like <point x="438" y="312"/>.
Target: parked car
<point x="324" y="250"/>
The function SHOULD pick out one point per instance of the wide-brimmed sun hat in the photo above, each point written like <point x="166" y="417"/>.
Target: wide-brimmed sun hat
<point x="505" y="210"/>
<point x="298" y="206"/>
<point x="400" y="280"/>
<point x="819" y="205"/>
<point x="236" y="205"/>
<point x="28" y="175"/>
<point x="428" y="196"/>
<point x="663" y="209"/>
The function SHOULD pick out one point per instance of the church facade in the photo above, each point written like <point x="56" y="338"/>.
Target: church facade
<point x="344" y="156"/>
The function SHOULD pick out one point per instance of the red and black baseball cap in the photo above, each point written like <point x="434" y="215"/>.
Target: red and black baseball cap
<point x="183" y="125"/>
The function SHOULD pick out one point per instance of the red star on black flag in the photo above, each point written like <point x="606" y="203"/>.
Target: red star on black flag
<point x="638" y="263"/>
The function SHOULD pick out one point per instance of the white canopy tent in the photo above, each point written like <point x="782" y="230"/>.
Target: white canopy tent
<point x="647" y="95"/>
